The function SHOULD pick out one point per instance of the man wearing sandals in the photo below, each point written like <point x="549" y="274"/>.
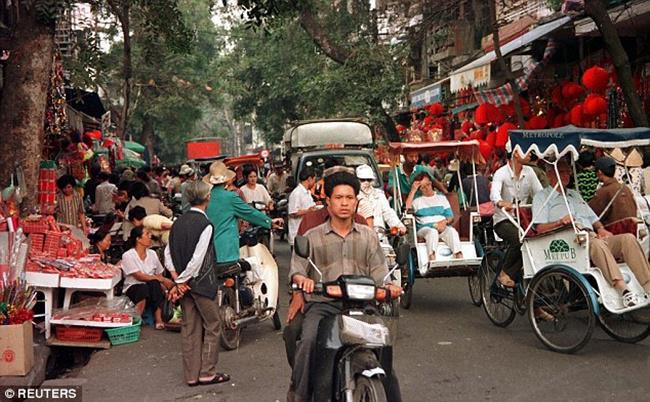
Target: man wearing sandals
<point x="191" y="254"/>
<point x="513" y="181"/>
<point x="605" y="248"/>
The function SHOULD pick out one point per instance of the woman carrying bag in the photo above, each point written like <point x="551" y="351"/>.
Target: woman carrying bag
<point x="191" y="254"/>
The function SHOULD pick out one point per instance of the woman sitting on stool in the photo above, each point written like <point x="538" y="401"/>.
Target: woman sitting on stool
<point x="144" y="280"/>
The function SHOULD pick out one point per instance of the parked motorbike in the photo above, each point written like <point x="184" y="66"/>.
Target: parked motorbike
<point x="354" y="351"/>
<point x="249" y="291"/>
<point x="281" y="210"/>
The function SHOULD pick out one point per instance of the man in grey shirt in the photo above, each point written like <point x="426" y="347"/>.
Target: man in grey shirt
<point x="338" y="247"/>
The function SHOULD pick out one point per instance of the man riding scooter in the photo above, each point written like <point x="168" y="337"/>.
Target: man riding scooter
<point x="339" y="246"/>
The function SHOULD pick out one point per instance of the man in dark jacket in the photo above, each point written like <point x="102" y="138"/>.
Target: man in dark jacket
<point x="191" y="254"/>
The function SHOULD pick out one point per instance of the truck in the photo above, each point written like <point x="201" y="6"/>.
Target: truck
<point x="344" y="142"/>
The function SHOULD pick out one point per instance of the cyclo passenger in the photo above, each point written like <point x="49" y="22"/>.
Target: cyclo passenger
<point x="224" y="209"/>
<point x="339" y="246"/>
<point x="373" y="204"/>
<point x="433" y="214"/>
<point x="404" y="173"/>
<point x="513" y="181"/>
<point x="604" y="248"/>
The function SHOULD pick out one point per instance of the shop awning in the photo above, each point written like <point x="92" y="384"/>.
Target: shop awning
<point x="134" y="146"/>
<point x="477" y="72"/>
<point x="629" y="18"/>
<point x="427" y="95"/>
<point x="465" y="107"/>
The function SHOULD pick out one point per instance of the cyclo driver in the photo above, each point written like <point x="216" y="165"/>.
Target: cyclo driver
<point x="338" y="247"/>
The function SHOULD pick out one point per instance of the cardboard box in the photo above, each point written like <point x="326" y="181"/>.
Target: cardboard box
<point x="16" y="349"/>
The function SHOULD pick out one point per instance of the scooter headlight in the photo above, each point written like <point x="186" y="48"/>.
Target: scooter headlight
<point x="360" y="292"/>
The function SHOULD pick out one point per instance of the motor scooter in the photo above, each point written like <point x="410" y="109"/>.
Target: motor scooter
<point x="281" y="210"/>
<point x="249" y="288"/>
<point x="354" y="352"/>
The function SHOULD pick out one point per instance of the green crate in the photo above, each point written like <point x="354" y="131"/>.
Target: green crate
<point x="124" y="335"/>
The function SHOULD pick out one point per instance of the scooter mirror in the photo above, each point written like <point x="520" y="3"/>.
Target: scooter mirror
<point x="403" y="252"/>
<point x="301" y="246"/>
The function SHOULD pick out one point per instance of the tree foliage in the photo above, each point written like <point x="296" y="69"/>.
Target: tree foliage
<point x="281" y="74"/>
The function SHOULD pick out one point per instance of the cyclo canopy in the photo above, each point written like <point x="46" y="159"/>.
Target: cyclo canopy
<point x="566" y="140"/>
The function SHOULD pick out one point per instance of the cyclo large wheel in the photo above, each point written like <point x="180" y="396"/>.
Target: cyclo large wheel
<point x="229" y="337"/>
<point x="474" y="284"/>
<point x="623" y="327"/>
<point x="561" y="310"/>
<point x="498" y="302"/>
<point x="369" y="390"/>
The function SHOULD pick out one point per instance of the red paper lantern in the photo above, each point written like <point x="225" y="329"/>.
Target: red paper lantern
<point x="485" y="149"/>
<point x="536" y="123"/>
<point x="94" y="134"/>
<point x="476" y="135"/>
<point x="558" y="121"/>
<point x="488" y="113"/>
<point x="507" y="110"/>
<point x="502" y="134"/>
<point x="435" y="109"/>
<point x="571" y="90"/>
<point x="577" y="116"/>
<point x="491" y="138"/>
<point x="596" y="79"/>
<point x="594" y="105"/>
<point x="556" y="95"/>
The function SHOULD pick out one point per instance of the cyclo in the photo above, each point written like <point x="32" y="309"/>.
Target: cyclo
<point x="558" y="275"/>
<point x="445" y="264"/>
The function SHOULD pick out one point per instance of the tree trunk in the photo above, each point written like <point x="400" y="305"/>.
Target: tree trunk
<point x="502" y="63"/>
<point x="24" y="101"/>
<point x="320" y="37"/>
<point x="597" y="10"/>
<point x="122" y="12"/>
<point x="148" y="134"/>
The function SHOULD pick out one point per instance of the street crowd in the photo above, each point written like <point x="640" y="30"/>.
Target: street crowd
<point x="178" y="227"/>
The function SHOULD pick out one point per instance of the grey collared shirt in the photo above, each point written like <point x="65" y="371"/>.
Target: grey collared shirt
<point x="358" y="253"/>
<point x="556" y="208"/>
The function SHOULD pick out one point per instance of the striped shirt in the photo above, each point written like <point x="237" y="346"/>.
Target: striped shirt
<point x="431" y="210"/>
<point x="69" y="209"/>
<point x="358" y="253"/>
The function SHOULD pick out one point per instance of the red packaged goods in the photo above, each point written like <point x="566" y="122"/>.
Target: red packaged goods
<point x="78" y="334"/>
<point x="52" y="242"/>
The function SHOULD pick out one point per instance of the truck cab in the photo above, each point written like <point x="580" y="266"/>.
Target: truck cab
<point x="347" y="142"/>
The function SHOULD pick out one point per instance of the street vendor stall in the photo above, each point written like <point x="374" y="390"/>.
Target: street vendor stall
<point x="57" y="262"/>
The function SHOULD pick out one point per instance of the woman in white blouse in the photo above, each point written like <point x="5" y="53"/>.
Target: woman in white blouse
<point x="254" y="192"/>
<point x="144" y="281"/>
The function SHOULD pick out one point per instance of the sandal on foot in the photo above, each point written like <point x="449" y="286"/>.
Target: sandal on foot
<point x="192" y="384"/>
<point x="160" y="326"/>
<point x="543" y="315"/>
<point x="505" y="281"/>
<point x="218" y="379"/>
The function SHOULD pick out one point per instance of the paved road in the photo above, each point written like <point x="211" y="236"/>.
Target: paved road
<point x="447" y="351"/>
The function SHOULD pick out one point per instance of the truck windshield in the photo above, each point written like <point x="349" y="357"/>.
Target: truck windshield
<point x="318" y="163"/>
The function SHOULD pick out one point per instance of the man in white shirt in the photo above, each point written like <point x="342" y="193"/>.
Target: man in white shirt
<point x="104" y="193"/>
<point x="300" y="201"/>
<point x="513" y="181"/>
<point x="373" y="204"/>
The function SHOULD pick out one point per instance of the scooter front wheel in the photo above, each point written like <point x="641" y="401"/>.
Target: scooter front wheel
<point x="369" y="390"/>
<point x="229" y="337"/>
<point x="277" y="323"/>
